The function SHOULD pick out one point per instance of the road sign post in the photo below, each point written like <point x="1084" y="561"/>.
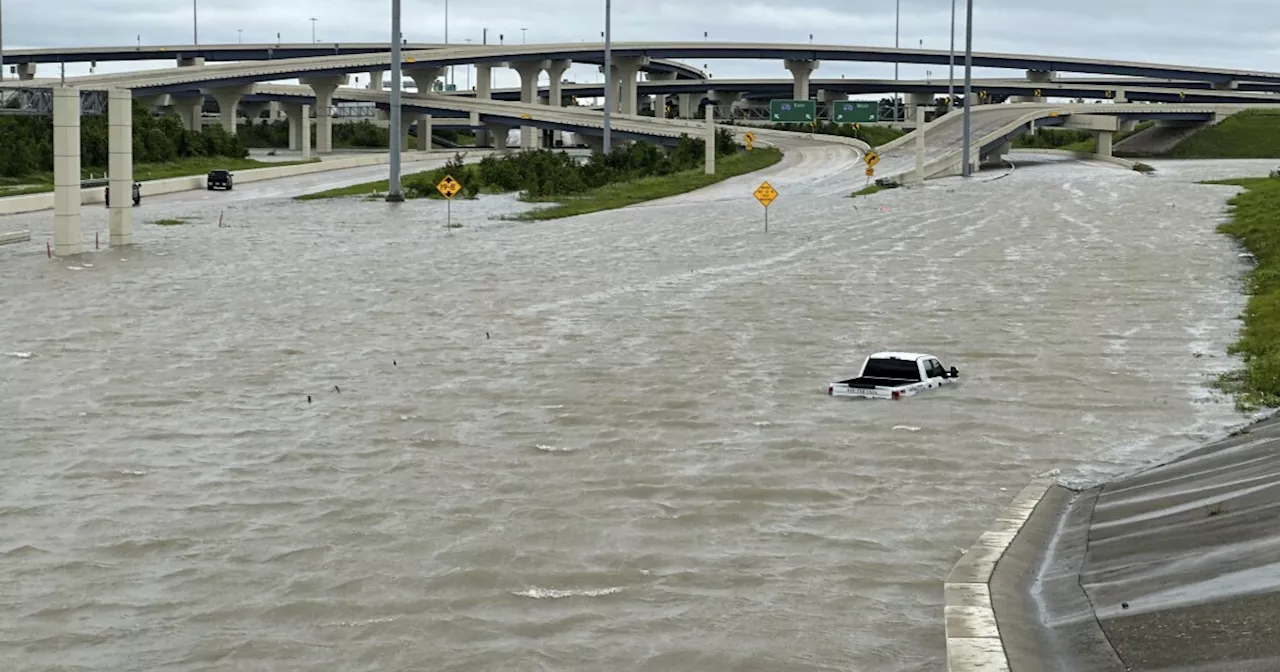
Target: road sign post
<point x="448" y="187"/>
<point x="750" y="139"/>
<point x="765" y="193"/>
<point x="793" y="111"/>
<point x="854" y="111"/>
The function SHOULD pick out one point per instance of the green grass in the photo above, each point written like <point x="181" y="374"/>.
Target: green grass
<point x="170" y="222"/>
<point x="1255" y="222"/>
<point x="362" y="189"/>
<point x="1251" y="134"/>
<point x="154" y="171"/>
<point x="622" y="194"/>
<point x="868" y="190"/>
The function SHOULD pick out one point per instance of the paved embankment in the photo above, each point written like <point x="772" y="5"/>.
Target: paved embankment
<point x="1176" y="567"/>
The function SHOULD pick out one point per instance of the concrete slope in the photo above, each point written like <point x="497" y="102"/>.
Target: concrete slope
<point x="1157" y="140"/>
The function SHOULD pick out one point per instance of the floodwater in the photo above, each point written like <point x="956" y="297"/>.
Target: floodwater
<point x="593" y="444"/>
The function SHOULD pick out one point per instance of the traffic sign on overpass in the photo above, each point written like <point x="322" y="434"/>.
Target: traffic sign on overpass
<point x="855" y="111"/>
<point x="793" y="111"/>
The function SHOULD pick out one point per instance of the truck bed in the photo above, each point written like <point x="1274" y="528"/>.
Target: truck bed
<point x="868" y="382"/>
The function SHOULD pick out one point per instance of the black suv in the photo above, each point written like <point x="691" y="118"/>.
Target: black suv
<point x="137" y="195"/>
<point x="219" y="178"/>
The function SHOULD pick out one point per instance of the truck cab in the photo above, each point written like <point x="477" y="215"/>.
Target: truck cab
<point x="893" y="375"/>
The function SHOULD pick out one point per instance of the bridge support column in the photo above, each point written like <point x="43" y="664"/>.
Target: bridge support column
<point x="723" y="102"/>
<point x="228" y="100"/>
<point x="26" y="71"/>
<point x="917" y="101"/>
<point x="253" y="111"/>
<point x="424" y="132"/>
<point x="688" y="104"/>
<point x="424" y="79"/>
<point x="499" y="135"/>
<point x="626" y="70"/>
<point x="918" y="174"/>
<point x="376" y="79"/>
<point x="1226" y="86"/>
<point x="800" y="73"/>
<point x="299" y="127"/>
<point x="190" y="61"/>
<point x="120" y="165"/>
<point x="529" y="73"/>
<point x="595" y="143"/>
<point x="66" y="171"/>
<point x="156" y="102"/>
<point x="555" y="92"/>
<point x="710" y="167"/>
<point x="1104" y="142"/>
<point x="323" y="87"/>
<point x="190" y="109"/>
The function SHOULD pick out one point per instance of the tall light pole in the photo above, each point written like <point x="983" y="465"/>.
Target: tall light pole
<point x="608" y="76"/>
<point x="2" y="39"/>
<point x="313" y="29"/>
<point x="446" y="38"/>
<point x="239" y="36"/>
<point x="195" y="30"/>
<point x="968" y="82"/>
<point x="394" y="194"/>
<point x="951" y="83"/>
<point x="897" y="25"/>
<point x="523" y="37"/>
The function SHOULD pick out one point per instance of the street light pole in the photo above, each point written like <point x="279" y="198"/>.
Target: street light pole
<point x="523" y="36"/>
<point x="239" y="36"/>
<point x="968" y="82"/>
<point x="951" y="83"/>
<point x="195" y="29"/>
<point x="2" y="39"/>
<point x="446" y="35"/>
<point x="394" y="194"/>
<point x="897" y="24"/>
<point x="608" y="77"/>
<point x="313" y="29"/>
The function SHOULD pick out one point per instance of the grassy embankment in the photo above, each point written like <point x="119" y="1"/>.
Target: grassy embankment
<point x="1255" y="222"/>
<point x="43" y="182"/>
<point x="1251" y="134"/>
<point x="1068" y="139"/>
<point x="622" y="194"/>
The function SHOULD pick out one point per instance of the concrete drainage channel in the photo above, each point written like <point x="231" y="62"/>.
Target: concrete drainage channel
<point x="973" y="635"/>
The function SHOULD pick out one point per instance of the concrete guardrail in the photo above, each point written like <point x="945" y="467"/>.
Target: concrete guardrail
<point x="973" y="636"/>
<point x="14" y="237"/>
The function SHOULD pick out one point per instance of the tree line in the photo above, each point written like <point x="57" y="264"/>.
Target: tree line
<point x="28" y="142"/>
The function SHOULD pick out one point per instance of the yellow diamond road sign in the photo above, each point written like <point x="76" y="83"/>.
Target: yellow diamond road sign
<point x="765" y="193"/>
<point x="749" y="137"/>
<point x="870" y="171"/>
<point x="871" y="158"/>
<point x="448" y="187"/>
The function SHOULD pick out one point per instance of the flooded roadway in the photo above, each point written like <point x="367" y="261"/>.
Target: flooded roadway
<point x="597" y="443"/>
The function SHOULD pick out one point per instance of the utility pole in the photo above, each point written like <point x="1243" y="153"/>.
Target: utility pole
<point x="239" y="36"/>
<point x="968" y="83"/>
<point x="313" y="29"/>
<point x="446" y="37"/>
<point x="897" y="30"/>
<point x="2" y="40"/>
<point x="951" y="83"/>
<point x="608" y="77"/>
<point x="195" y="30"/>
<point x="394" y="194"/>
<point x="523" y="36"/>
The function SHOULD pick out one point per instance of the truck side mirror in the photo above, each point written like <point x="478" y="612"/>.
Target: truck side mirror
<point x="955" y="373"/>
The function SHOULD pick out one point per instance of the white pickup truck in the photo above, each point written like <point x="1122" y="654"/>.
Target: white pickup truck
<point x="893" y="375"/>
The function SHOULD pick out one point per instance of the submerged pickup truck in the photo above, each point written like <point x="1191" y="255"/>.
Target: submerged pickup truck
<point x="893" y="375"/>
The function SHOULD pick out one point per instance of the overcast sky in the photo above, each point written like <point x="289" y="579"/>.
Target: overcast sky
<point x="1227" y="33"/>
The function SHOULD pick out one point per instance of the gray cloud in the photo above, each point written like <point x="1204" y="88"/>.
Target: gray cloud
<point x="1227" y="33"/>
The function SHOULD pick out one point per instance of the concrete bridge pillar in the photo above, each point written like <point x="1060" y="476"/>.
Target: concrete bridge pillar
<point x="1104" y="142"/>
<point x="917" y="100"/>
<point x="190" y="61"/>
<point x="406" y="123"/>
<point x="424" y="132"/>
<point x="190" y="109"/>
<point x="1226" y="86"/>
<point x="1041" y="76"/>
<point x="253" y="111"/>
<point x="66" y="171"/>
<point x="626" y="70"/>
<point x="688" y="104"/>
<point x="801" y="70"/>
<point x="228" y="98"/>
<point x="376" y="79"/>
<point x="595" y="143"/>
<point x="555" y="72"/>
<point x="120" y="165"/>
<point x="156" y="102"/>
<point x="299" y="116"/>
<point x="499" y="133"/>
<point x="26" y="71"/>
<point x="424" y="78"/>
<point x="323" y="87"/>
<point x="529" y="73"/>
<point x="724" y="101"/>
<point x="484" y="91"/>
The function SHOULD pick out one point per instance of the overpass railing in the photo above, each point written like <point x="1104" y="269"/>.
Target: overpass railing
<point x="39" y="102"/>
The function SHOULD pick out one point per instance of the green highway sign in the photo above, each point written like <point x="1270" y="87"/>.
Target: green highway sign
<point x="854" y="111"/>
<point x="793" y="111"/>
